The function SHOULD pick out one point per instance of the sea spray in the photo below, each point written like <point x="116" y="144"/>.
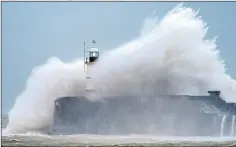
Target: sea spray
<point x="33" y="109"/>
<point x="171" y="56"/>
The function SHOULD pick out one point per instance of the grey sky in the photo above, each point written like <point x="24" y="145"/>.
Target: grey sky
<point x="34" y="31"/>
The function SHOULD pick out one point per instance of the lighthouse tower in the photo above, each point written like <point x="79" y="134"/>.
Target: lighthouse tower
<point x="89" y="61"/>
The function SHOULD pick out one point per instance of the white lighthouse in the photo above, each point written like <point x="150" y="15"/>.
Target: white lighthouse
<point x="89" y="60"/>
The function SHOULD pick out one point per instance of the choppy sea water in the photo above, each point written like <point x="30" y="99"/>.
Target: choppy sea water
<point x="111" y="140"/>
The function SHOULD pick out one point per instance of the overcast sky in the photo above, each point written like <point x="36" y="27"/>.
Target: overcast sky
<point x="34" y="31"/>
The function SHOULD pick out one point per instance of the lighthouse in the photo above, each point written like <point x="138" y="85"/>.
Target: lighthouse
<point x="91" y="56"/>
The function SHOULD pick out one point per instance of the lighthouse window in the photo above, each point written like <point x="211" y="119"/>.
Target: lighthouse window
<point x="93" y="54"/>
